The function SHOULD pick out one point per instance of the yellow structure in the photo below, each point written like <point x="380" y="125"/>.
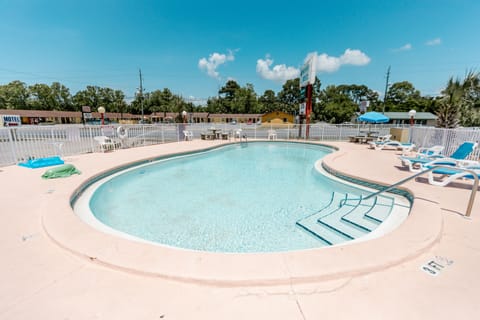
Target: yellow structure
<point x="400" y="134"/>
<point x="277" y="117"/>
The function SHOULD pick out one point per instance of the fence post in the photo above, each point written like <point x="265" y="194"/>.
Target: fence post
<point x="444" y="139"/>
<point x="12" y="145"/>
<point x="163" y="134"/>
<point x="92" y="144"/>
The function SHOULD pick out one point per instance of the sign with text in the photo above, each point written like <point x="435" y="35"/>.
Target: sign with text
<point x="307" y="72"/>
<point x="436" y="265"/>
<point x="302" y="109"/>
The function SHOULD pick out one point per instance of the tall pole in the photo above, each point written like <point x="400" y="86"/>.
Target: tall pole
<point x="141" y="92"/>
<point x="308" y="110"/>
<point x="386" y="89"/>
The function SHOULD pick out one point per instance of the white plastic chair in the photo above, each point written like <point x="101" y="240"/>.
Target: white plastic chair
<point x="272" y="135"/>
<point x="188" y="135"/>
<point x="238" y="133"/>
<point x="105" y="143"/>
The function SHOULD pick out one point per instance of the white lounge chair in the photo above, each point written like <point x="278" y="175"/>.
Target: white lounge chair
<point x="434" y="151"/>
<point x="392" y="144"/>
<point x="383" y="139"/>
<point x="188" y="135"/>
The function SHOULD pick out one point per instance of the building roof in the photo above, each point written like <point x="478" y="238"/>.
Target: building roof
<point x="63" y="114"/>
<point x="406" y="116"/>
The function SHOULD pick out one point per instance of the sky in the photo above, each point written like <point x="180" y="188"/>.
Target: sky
<point x="194" y="47"/>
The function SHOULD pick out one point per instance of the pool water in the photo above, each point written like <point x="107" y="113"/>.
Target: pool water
<point x="238" y="198"/>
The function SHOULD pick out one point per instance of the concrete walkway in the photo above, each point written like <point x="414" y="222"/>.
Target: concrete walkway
<point x="55" y="267"/>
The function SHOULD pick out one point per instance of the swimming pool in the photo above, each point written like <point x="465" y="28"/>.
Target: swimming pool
<point x="237" y="198"/>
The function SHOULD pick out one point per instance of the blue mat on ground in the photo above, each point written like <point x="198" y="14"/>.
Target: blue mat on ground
<point x="41" y="162"/>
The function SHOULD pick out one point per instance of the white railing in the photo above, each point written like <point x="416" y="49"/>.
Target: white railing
<point x="29" y="142"/>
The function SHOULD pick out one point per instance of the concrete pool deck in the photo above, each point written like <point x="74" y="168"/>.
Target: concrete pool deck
<point x="56" y="267"/>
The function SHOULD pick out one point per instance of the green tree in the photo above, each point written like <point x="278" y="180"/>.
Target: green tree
<point x="469" y="111"/>
<point x="402" y="96"/>
<point x="54" y="97"/>
<point x="358" y="93"/>
<point x="160" y="101"/>
<point x="267" y="102"/>
<point x="245" y="100"/>
<point x="289" y="97"/>
<point x="449" y="106"/>
<point x="460" y="102"/>
<point x="41" y="97"/>
<point x="62" y="97"/>
<point x="88" y="97"/>
<point x="227" y="95"/>
<point x="94" y="97"/>
<point x="214" y="105"/>
<point x="336" y="106"/>
<point x="14" y="95"/>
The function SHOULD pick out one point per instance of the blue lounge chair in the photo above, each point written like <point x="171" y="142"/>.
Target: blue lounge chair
<point x="417" y="164"/>
<point x="456" y="172"/>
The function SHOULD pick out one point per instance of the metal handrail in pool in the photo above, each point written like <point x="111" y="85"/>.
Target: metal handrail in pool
<point x="472" y="194"/>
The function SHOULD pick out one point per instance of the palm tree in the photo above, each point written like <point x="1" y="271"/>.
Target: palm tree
<point x="469" y="111"/>
<point x="457" y="105"/>
<point x="448" y="109"/>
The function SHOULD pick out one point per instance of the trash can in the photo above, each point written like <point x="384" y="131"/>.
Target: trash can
<point x="400" y="134"/>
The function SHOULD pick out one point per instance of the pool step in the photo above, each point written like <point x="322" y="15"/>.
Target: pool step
<point x="346" y="217"/>
<point x="321" y="231"/>
<point x="381" y="210"/>
<point x="333" y="221"/>
<point x="359" y="218"/>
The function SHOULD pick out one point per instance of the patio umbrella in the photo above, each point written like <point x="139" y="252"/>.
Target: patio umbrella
<point x="373" y="117"/>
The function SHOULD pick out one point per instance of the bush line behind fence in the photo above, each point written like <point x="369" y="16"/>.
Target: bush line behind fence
<point x="18" y="144"/>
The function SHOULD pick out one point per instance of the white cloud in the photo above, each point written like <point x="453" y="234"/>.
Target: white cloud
<point x="434" y="42"/>
<point x="405" y="47"/>
<point x="355" y="58"/>
<point x="323" y="63"/>
<point x="326" y="63"/>
<point x="215" y="60"/>
<point x="279" y="72"/>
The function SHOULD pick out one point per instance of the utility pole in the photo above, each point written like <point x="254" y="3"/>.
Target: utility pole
<point x="386" y="89"/>
<point x="141" y="93"/>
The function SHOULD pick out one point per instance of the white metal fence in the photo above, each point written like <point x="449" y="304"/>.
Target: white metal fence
<point x="18" y="144"/>
<point x="449" y="138"/>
